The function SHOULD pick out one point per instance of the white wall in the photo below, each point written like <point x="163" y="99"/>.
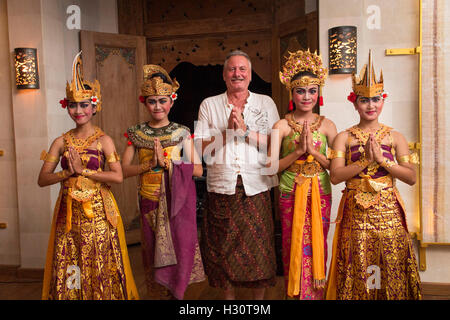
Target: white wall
<point x="398" y="28"/>
<point x="37" y="116"/>
<point x="9" y="237"/>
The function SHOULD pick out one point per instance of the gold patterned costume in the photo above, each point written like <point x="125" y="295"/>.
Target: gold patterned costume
<point x="87" y="257"/>
<point x="373" y="257"/>
<point x="167" y="200"/>
<point x="87" y="237"/>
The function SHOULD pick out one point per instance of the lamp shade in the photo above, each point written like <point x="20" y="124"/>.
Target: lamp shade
<point x="26" y="67"/>
<point x="342" y="50"/>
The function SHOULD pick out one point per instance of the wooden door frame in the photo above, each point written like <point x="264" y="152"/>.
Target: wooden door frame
<point x="90" y="39"/>
<point x="310" y="24"/>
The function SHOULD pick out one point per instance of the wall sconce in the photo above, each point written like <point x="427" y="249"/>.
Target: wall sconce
<point x="342" y="50"/>
<point x="26" y="66"/>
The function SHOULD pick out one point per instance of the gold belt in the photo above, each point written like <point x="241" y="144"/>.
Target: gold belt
<point x="151" y="178"/>
<point x="307" y="168"/>
<point x="368" y="184"/>
<point x="83" y="189"/>
<point x="368" y="190"/>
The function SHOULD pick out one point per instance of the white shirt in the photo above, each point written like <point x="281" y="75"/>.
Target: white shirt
<point x="237" y="157"/>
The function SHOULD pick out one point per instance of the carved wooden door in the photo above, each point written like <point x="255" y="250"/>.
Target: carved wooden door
<point x="116" y="60"/>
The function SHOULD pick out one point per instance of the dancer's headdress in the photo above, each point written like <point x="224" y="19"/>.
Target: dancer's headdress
<point x="76" y="91"/>
<point x="303" y="61"/>
<point x="156" y="86"/>
<point x="366" y="85"/>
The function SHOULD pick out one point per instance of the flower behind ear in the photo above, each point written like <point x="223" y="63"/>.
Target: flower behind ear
<point x="142" y="99"/>
<point x="352" y="97"/>
<point x="94" y="100"/>
<point x="64" y="103"/>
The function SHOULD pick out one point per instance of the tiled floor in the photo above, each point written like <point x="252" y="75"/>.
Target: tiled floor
<point x="28" y="289"/>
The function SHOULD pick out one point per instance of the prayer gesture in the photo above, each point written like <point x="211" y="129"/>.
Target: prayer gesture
<point x="376" y="150"/>
<point x="158" y="154"/>
<point x="302" y="145"/>
<point x="372" y="150"/>
<point x="309" y="141"/>
<point x="75" y="165"/>
<point x="236" y="120"/>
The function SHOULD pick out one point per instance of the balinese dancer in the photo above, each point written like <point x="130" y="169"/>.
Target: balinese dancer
<point x="167" y="195"/>
<point x="87" y="256"/>
<point x="373" y="257"/>
<point x="305" y="189"/>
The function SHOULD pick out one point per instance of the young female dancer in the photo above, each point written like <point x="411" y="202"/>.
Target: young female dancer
<point x="373" y="256"/>
<point x="305" y="190"/>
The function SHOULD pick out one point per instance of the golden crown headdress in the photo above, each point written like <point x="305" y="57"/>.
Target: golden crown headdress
<point x="300" y="61"/>
<point x="366" y="85"/>
<point x="75" y="91"/>
<point x="303" y="61"/>
<point x="155" y="86"/>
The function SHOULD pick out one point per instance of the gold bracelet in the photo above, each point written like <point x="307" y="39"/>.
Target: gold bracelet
<point x="88" y="172"/>
<point x="362" y="163"/>
<point x="387" y="163"/>
<point x="48" y="157"/>
<point x="144" y="167"/>
<point x="166" y="163"/>
<point x="113" y="157"/>
<point x="63" y="174"/>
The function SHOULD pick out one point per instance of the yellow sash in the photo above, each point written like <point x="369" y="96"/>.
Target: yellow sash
<point x="81" y="189"/>
<point x="331" y="283"/>
<point x="301" y="199"/>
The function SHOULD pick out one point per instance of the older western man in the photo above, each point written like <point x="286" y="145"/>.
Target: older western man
<point x="237" y="236"/>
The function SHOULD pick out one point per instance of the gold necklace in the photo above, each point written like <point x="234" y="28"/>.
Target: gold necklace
<point x="299" y="127"/>
<point x="80" y="144"/>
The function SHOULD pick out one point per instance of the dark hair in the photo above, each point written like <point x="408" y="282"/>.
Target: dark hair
<point x="162" y="76"/>
<point x="303" y="74"/>
<point x="88" y="87"/>
<point x="298" y="76"/>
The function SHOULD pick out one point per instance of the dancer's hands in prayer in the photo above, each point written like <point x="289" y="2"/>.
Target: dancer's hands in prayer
<point x="309" y="140"/>
<point x="368" y="152"/>
<point x="159" y="152"/>
<point x="302" y="144"/>
<point x="376" y="150"/>
<point x="75" y="164"/>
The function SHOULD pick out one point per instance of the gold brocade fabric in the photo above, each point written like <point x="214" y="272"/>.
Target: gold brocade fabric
<point x="142" y="136"/>
<point x="373" y="243"/>
<point x="151" y="181"/>
<point x="87" y="257"/>
<point x="373" y="257"/>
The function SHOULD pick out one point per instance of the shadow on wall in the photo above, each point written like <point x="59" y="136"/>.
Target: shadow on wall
<point x="200" y="82"/>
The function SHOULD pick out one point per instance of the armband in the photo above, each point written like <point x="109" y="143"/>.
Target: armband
<point x="48" y="157"/>
<point x="113" y="157"/>
<point x="333" y="154"/>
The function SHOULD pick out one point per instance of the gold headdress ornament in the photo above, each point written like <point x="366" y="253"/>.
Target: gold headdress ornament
<point x="303" y="61"/>
<point x="155" y="86"/>
<point x="76" y="92"/>
<point x="366" y="85"/>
